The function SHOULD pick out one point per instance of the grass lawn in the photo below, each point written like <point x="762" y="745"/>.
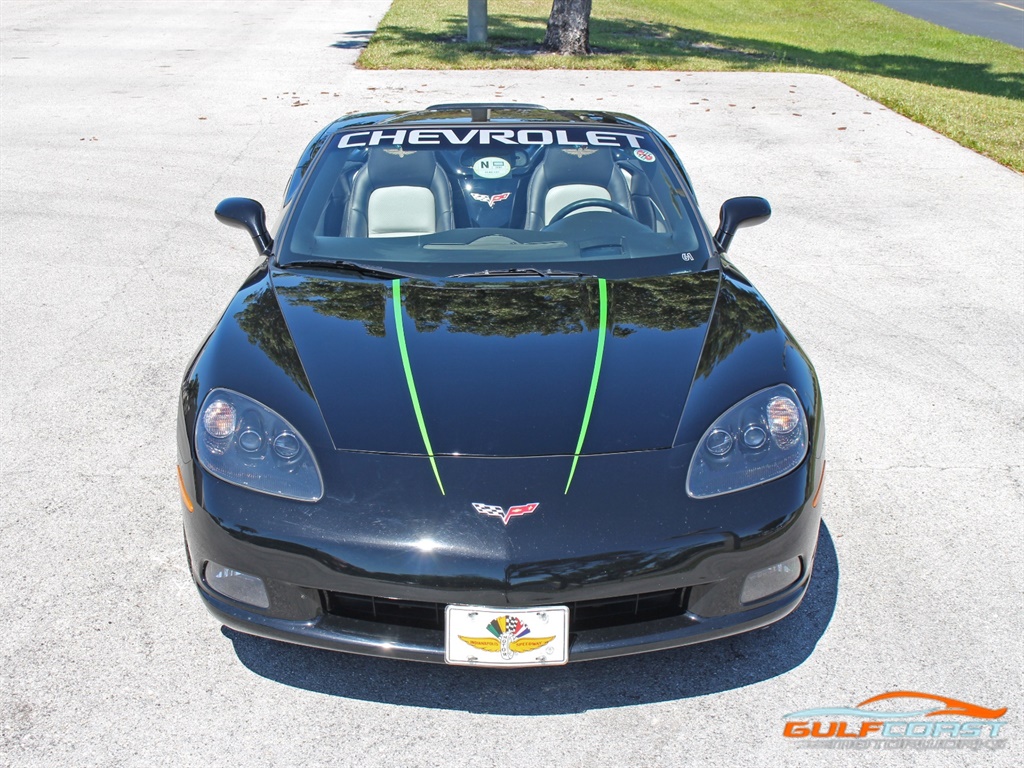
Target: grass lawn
<point x="968" y="88"/>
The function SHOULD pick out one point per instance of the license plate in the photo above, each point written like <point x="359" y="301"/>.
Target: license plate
<point x="506" y="637"/>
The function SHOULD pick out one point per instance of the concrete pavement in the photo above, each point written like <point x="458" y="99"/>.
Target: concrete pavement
<point x="894" y="255"/>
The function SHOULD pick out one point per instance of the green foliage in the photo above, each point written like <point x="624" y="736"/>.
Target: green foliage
<point x="968" y="88"/>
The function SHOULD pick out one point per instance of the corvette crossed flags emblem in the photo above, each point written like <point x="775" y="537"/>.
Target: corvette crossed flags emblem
<point x="495" y="511"/>
<point x="492" y="199"/>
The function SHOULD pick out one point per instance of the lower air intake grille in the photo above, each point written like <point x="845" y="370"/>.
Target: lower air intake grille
<point x="583" y="615"/>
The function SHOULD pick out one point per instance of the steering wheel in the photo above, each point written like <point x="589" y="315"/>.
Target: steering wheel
<point x="589" y="202"/>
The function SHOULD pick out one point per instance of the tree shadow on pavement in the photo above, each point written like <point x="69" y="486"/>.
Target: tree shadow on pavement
<point x="696" y="670"/>
<point x="647" y="45"/>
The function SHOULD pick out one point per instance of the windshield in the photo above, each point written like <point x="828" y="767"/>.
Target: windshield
<point x="452" y="198"/>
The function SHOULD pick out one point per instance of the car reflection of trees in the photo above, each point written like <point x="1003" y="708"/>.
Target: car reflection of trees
<point x="567" y="306"/>
<point x="345" y="300"/>
<point x="505" y="310"/>
<point x="668" y="303"/>
<point x="739" y="313"/>
<point x="262" y="322"/>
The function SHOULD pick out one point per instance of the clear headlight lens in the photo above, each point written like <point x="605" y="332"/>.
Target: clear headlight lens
<point x="759" y="439"/>
<point x="245" y="443"/>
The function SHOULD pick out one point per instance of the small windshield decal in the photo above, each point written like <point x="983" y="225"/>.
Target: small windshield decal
<point x="492" y="168"/>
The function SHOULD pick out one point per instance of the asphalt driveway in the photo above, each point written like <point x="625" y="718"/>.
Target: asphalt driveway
<point x="993" y="19"/>
<point x="894" y="255"/>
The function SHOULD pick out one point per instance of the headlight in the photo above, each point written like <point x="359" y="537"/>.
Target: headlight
<point x="757" y="440"/>
<point x="245" y="443"/>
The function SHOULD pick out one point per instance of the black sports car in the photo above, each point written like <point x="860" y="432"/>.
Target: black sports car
<point x="494" y="396"/>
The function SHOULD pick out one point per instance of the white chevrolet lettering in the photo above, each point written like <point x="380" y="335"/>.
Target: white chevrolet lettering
<point x="486" y="136"/>
<point x="424" y="137"/>
<point x="611" y="139"/>
<point x="499" y="135"/>
<point x="453" y="137"/>
<point x="396" y="137"/>
<point x="535" y="136"/>
<point x="349" y="139"/>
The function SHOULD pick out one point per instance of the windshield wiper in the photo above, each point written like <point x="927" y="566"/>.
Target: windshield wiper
<point x="517" y="271"/>
<point x="369" y="270"/>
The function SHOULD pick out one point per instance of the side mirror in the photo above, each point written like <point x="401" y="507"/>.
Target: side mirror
<point x="740" y="212"/>
<point x="249" y="215"/>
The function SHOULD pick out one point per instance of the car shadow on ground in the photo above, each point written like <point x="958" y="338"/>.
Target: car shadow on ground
<point x="695" y="670"/>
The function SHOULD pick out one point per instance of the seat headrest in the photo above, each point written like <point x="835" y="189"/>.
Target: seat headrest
<point x="578" y="165"/>
<point x="397" y="166"/>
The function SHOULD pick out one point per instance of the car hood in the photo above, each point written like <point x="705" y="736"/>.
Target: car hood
<point x="499" y="368"/>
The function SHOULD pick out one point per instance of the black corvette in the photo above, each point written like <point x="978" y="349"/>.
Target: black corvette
<point x="494" y="396"/>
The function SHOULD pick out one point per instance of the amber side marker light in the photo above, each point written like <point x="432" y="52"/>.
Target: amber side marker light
<point x="184" y="494"/>
<point x="817" y="495"/>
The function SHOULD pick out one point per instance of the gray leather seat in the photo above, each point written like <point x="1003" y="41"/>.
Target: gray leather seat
<point x="644" y="207"/>
<point x="566" y="175"/>
<point x="399" y="192"/>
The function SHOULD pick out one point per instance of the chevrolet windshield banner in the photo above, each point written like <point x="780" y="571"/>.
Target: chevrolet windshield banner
<point x="460" y="137"/>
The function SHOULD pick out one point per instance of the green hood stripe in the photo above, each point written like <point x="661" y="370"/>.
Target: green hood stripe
<point x="601" y="332"/>
<point x="396" y="298"/>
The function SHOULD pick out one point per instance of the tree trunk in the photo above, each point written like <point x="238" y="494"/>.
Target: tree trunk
<point x="568" y="28"/>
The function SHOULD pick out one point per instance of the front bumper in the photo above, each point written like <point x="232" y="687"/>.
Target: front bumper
<point x="415" y="644"/>
<point x="355" y="594"/>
